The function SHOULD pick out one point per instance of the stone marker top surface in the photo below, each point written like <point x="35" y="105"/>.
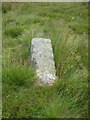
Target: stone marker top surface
<point x="43" y="59"/>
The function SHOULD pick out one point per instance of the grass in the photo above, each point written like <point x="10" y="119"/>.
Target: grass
<point x="18" y="75"/>
<point x="14" y="31"/>
<point x="66" y="24"/>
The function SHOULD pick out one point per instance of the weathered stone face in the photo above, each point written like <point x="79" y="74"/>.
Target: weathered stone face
<point x="43" y="59"/>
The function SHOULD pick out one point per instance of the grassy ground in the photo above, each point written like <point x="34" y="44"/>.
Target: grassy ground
<point x="66" y="24"/>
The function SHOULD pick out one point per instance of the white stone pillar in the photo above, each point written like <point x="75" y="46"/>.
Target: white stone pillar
<point x="43" y="59"/>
